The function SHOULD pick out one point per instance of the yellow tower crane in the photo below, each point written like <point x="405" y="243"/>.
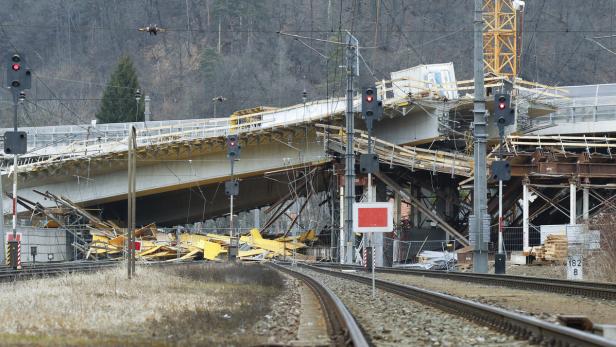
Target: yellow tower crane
<point x="500" y="37"/>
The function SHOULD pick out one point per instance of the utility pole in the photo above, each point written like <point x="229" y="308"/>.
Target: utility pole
<point x="352" y="69"/>
<point x="147" y="112"/>
<point x="137" y="99"/>
<point x="130" y="237"/>
<point x="479" y="222"/>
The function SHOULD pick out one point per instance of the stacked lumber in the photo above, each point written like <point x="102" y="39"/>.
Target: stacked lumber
<point x="554" y="249"/>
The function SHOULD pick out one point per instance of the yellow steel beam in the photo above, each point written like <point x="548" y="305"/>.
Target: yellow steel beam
<point x="500" y="38"/>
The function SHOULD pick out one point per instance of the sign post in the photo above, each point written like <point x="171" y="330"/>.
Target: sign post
<point x="373" y="217"/>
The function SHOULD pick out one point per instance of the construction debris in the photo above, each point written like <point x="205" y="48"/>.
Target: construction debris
<point x="434" y="260"/>
<point x="100" y="239"/>
<point x="166" y="246"/>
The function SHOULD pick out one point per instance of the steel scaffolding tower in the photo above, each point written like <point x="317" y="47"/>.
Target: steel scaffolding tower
<point x="500" y="38"/>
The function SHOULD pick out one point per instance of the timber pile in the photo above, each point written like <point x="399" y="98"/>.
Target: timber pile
<point x="554" y="249"/>
<point x="95" y="238"/>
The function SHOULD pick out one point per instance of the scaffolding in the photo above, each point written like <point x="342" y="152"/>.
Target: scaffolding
<point x="500" y="38"/>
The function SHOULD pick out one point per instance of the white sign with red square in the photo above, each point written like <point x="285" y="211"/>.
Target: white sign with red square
<point x="373" y="217"/>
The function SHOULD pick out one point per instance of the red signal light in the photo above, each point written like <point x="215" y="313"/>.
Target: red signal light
<point x="369" y="98"/>
<point x="501" y="105"/>
<point x="15" y="67"/>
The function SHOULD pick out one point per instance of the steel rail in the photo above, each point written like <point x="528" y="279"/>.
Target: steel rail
<point x="30" y="272"/>
<point x="532" y="329"/>
<point x="17" y="275"/>
<point x="341" y="326"/>
<point x="589" y="289"/>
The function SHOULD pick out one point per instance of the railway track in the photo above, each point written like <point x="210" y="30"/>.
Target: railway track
<point x="589" y="289"/>
<point x="8" y="274"/>
<point x="341" y="326"/>
<point x="532" y="329"/>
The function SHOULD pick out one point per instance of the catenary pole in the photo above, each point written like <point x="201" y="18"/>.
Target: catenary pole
<point x="479" y="236"/>
<point x="349" y="170"/>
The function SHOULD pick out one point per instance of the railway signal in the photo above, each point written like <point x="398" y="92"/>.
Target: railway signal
<point x="233" y="147"/>
<point x="371" y="109"/>
<point x="503" y="112"/>
<point x="18" y="76"/>
<point x="371" y="106"/>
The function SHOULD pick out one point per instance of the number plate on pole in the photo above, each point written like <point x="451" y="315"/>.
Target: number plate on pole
<point x="574" y="268"/>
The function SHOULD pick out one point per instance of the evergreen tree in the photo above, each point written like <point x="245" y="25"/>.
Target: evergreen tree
<point x="210" y="63"/>
<point x="118" y="103"/>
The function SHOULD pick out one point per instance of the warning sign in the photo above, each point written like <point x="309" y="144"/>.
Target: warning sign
<point x="373" y="217"/>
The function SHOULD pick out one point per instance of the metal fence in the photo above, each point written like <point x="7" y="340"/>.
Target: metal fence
<point x="49" y="244"/>
<point x="513" y="237"/>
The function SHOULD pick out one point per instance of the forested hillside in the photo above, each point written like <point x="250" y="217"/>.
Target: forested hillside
<point x="232" y="49"/>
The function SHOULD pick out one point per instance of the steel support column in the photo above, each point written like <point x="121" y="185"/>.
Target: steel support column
<point x="585" y="203"/>
<point x="572" y="203"/>
<point x="525" y="221"/>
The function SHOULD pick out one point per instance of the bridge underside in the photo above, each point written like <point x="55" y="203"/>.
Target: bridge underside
<point x="203" y="202"/>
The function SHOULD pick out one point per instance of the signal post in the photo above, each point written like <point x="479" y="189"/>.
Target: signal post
<point x="18" y="79"/>
<point x="504" y="115"/>
<point x="232" y="189"/>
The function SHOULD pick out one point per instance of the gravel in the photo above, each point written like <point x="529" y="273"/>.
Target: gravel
<point x="392" y="320"/>
<point x="543" y="305"/>
<point x="281" y="324"/>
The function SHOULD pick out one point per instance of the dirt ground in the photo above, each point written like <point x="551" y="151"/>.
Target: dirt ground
<point x="211" y="305"/>
<point x="544" y="270"/>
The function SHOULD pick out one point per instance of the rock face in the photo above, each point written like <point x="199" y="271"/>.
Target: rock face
<point x="232" y="49"/>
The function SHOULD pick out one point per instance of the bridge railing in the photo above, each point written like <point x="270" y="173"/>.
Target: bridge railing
<point x="199" y="129"/>
<point x="589" y="103"/>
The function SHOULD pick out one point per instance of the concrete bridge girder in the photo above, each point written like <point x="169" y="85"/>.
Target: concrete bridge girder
<point x="165" y="174"/>
<point x="209" y="201"/>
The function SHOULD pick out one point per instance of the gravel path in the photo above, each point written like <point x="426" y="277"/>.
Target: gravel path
<point x="392" y="320"/>
<point x="542" y="305"/>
